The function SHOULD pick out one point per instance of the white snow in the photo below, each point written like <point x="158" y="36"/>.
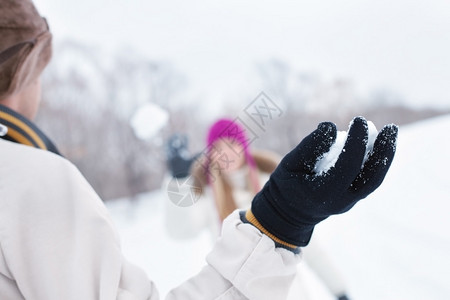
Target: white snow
<point x="3" y="130"/>
<point x="145" y="241"/>
<point x="396" y="244"/>
<point x="372" y="135"/>
<point x="393" y="245"/>
<point x="329" y="159"/>
<point x="148" y="120"/>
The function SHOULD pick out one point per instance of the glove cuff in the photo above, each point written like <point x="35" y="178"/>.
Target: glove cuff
<point x="248" y="217"/>
<point x="274" y="220"/>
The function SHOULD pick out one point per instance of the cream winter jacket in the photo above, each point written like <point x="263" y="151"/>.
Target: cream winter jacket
<point x="203" y="215"/>
<point x="57" y="242"/>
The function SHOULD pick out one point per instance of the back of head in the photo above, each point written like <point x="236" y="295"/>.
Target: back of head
<point x="25" y="45"/>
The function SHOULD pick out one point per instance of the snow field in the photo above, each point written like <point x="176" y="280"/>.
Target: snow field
<point x="393" y="245"/>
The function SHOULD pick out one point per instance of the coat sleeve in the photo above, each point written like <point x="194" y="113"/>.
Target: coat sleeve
<point x="244" y="264"/>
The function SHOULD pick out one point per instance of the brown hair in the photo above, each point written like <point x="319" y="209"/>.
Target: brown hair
<point x="25" y="45"/>
<point x="223" y="192"/>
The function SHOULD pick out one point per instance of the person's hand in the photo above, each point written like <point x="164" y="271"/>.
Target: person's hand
<point x="296" y="198"/>
<point x="343" y="297"/>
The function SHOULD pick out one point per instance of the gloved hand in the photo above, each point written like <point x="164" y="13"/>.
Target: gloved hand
<point x="295" y="198"/>
<point x="178" y="160"/>
<point x="343" y="297"/>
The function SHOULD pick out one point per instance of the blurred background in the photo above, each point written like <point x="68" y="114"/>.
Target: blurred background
<point x="126" y="75"/>
<point x="200" y="60"/>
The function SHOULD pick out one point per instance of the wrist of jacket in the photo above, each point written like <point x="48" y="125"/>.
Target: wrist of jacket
<point x="272" y="220"/>
<point x="282" y="232"/>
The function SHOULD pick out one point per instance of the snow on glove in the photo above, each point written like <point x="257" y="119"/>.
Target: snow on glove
<point x="296" y="197"/>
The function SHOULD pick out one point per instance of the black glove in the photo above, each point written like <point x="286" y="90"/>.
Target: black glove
<point x="295" y="198"/>
<point x="343" y="297"/>
<point x="178" y="160"/>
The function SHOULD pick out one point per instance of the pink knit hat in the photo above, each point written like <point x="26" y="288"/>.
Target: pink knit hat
<point x="225" y="128"/>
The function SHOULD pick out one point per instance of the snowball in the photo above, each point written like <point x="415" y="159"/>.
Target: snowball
<point x="372" y="136"/>
<point x="328" y="160"/>
<point x="148" y="121"/>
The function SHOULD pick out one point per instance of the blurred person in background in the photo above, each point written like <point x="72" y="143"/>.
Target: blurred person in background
<point x="57" y="240"/>
<point x="226" y="176"/>
<point x="179" y="160"/>
<point x="229" y="175"/>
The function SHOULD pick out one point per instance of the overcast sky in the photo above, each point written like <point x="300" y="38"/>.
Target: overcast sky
<point x="403" y="45"/>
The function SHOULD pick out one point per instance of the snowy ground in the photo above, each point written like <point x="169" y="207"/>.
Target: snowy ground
<point x="393" y="245"/>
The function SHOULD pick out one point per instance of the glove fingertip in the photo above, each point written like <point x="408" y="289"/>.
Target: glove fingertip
<point x="357" y="137"/>
<point x="387" y="138"/>
<point x="358" y="125"/>
<point x="327" y="127"/>
<point x="306" y="153"/>
<point x="391" y="132"/>
<point x="378" y="163"/>
<point x="351" y="158"/>
<point x="358" y="119"/>
<point x="326" y="133"/>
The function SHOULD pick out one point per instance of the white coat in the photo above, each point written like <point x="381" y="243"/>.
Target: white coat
<point x="203" y="215"/>
<point x="57" y="242"/>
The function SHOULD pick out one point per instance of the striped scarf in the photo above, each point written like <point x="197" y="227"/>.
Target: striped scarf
<point x="16" y="128"/>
